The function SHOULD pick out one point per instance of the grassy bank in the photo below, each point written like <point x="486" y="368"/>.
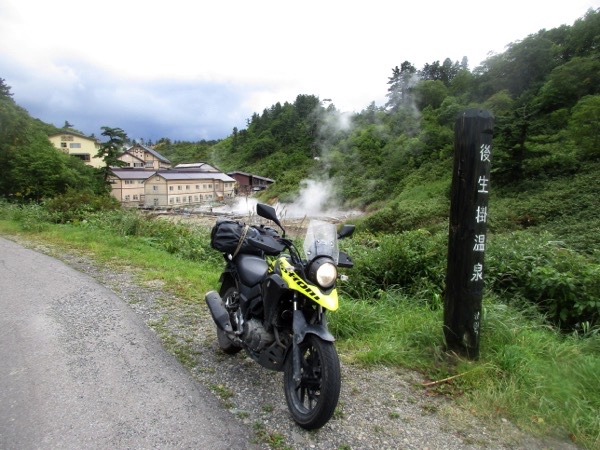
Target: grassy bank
<point x="543" y="380"/>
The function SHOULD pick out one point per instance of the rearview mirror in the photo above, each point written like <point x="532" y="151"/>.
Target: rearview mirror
<point x="346" y="231"/>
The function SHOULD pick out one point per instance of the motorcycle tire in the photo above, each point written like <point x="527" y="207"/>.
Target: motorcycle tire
<point x="312" y="402"/>
<point x="224" y="342"/>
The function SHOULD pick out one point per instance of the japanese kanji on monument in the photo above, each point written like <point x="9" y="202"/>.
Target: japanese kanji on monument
<point x="467" y="231"/>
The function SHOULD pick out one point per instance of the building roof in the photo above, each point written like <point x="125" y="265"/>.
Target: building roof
<point x="251" y="175"/>
<point x="200" y="166"/>
<point x="170" y="175"/>
<point x="73" y="133"/>
<point x="152" y="152"/>
<point x="132" y="174"/>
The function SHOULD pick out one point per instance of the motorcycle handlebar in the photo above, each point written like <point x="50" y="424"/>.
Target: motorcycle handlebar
<point x="267" y="244"/>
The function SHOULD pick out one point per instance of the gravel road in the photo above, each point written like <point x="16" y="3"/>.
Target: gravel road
<point x="80" y="370"/>
<point x="380" y="408"/>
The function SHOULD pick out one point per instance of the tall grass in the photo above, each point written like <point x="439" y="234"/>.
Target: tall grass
<point x="393" y="329"/>
<point x="542" y="380"/>
<point x="538" y="377"/>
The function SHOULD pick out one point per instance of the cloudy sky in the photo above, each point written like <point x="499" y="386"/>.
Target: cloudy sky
<point x="191" y="70"/>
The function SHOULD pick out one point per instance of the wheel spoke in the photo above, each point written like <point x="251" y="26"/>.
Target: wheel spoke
<point x="313" y="400"/>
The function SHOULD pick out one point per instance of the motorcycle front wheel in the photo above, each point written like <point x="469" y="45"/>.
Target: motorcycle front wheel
<point x="313" y="401"/>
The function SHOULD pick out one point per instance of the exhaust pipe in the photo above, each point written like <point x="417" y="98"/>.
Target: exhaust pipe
<point x="218" y="311"/>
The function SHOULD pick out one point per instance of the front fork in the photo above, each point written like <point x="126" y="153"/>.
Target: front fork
<point x="301" y="328"/>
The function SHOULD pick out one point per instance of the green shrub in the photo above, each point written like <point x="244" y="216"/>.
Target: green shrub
<point x="413" y="261"/>
<point x="187" y="241"/>
<point x="31" y="217"/>
<point x="7" y="210"/>
<point x="556" y="164"/>
<point x="76" y="205"/>
<point x="407" y="215"/>
<point x="565" y="207"/>
<point x="523" y="266"/>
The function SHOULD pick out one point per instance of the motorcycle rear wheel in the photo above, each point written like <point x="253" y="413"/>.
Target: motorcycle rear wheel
<point x="225" y="344"/>
<point x="313" y="401"/>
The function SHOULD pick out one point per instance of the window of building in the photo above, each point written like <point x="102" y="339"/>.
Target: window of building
<point x="195" y="198"/>
<point x="75" y="145"/>
<point x="63" y="145"/>
<point x="135" y="197"/>
<point x="155" y="202"/>
<point x="171" y="200"/>
<point x="155" y="188"/>
<point x="197" y="186"/>
<point x="187" y="187"/>
<point x="127" y="198"/>
<point x="128" y="181"/>
<point x="179" y="188"/>
<point x="170" y="188"/>
<point x="177" y="200"/>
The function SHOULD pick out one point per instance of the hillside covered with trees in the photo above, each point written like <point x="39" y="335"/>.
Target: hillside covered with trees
<point x="395" y="160"/>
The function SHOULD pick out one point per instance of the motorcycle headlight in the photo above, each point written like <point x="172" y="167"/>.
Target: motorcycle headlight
<point x="323" y="272"/>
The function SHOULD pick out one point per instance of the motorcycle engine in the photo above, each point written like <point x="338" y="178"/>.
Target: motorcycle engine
<point x="255" y="336"/>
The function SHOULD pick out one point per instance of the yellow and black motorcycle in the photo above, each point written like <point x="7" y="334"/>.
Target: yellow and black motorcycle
<point x="273" y="303"/>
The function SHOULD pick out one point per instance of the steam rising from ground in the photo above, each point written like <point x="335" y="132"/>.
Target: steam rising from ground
<point x="315" y="200"/>
<point x="316" y="197"/>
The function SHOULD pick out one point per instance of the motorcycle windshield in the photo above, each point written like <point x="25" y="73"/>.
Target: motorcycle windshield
<point x="321" y="240"/>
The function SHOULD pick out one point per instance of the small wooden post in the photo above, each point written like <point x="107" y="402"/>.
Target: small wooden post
<point x="467" y="231"/>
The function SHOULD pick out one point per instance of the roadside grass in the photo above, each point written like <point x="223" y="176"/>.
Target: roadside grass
<point x="188" y="279"/>
<point x="535" y="376"/>
<point x="529" y="373"/>
<point x="391" y="330"/>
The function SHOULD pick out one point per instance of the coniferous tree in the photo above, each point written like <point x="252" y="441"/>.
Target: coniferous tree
<point x="112" y="149"/>
<point x="401" y="83"/>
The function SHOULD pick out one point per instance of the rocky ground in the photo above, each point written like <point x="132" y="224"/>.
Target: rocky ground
<point x="379" y="408"/>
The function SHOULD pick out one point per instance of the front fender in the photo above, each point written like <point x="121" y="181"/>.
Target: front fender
<point x="302" y="328"/>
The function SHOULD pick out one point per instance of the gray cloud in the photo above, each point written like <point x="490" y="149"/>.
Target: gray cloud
<point x="90" y="98"/>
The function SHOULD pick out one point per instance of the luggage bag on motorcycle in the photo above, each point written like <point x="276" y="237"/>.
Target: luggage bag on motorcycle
<point x="228" y="234"/>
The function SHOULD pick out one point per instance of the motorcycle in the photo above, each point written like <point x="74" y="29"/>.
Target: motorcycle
<point x="273" y="302"/>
